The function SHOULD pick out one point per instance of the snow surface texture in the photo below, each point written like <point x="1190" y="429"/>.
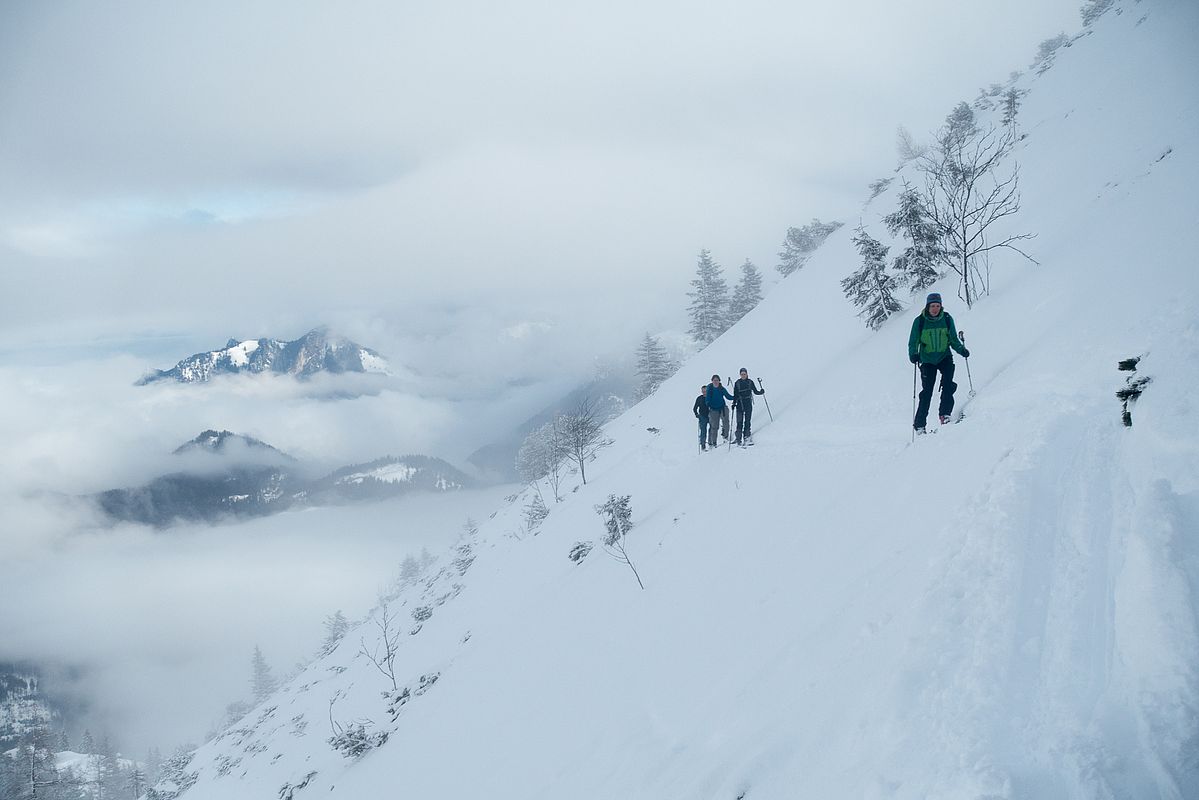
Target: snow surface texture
<point x="1005" y="610"/>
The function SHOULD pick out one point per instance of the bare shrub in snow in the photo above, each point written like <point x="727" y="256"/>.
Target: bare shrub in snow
<point x="383" y="654"/>
<point x="965" y="198"/>
<point x="582" y="436"/>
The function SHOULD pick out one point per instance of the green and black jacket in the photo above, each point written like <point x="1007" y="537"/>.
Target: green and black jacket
<point x="932" y="337"/>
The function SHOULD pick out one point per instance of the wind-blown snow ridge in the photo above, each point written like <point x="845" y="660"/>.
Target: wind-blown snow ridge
<point x="1005" y="610"/>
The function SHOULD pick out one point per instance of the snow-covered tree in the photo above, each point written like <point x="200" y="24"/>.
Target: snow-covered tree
<point x="336" y="626"/>
<point x="1094" y="9"/>
<point x="105" y="770"/>
<point x="917" y="266"/>
<point x="582" y="436"/>
<point x="262" y="682"/>
<point x="965" y="196"/>
<point x="960" y="126"/>
<point x="153" y="765"/>
<point x="1011" y="106"/>
<point x="871" y="288"/>
<point x="709" y="300"/>
<point x="1046" y="51"/>
<point x="879" y="186"/>
<point x="174" y="778"/>
<point x="135" y="781"/>
<point x="617" y="514"/>
<point x="535" y="513"/>
<point x="28" y="771"/>
<point x="541" y="456"/>
<point x="87" y="744"/>
<point x="747" y="294"/>
<point x="800" y="243"/>
<point x="906" y="145"/>
<point x="653" y="366"/>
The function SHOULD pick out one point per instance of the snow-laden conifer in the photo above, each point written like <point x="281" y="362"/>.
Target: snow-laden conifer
<point x="871" y="287"/>
<point x="262" y="681"/>
<point x="654" y="366"/>
<point x="747" y="294"/>
<point x="709" y="300"/>
<point x="800" y="243"/>
<point x="918" y="265"/>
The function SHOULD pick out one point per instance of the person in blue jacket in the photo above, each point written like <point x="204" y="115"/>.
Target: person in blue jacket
<point x="718" y="410"/>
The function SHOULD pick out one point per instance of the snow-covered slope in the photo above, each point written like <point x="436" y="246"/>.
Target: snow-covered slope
<point x="1007" y="609"/>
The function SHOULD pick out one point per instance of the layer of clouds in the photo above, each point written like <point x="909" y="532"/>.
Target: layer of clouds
<point x="156" y="629"/>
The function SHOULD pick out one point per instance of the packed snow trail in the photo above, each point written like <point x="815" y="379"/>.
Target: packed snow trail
<point x="1008" y="610"/>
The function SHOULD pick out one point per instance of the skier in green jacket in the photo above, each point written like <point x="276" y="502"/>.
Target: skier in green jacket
<point x="933" y="334"/>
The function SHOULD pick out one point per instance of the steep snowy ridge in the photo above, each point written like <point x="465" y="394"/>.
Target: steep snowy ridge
<point x="1008" y="609"/>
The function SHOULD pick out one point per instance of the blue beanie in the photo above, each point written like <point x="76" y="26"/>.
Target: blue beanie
<point x="933" y="297"/>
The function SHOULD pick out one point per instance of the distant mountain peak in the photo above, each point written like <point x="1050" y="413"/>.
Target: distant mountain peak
<point x="213" y="441"/>
<point x="318" y="350"/>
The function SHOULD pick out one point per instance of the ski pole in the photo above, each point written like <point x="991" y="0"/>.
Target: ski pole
<point x="914" y="369"/>
<point x="729" y="430"/>
<point x="764" y="400"/>
<point x="969" y="377"/>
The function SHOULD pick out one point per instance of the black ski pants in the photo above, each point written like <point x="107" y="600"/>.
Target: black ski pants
<point x="745" y="414"/>
<point x="928" y="378"/>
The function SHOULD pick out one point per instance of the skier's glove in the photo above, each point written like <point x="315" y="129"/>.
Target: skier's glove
<point x="965" y="353"/>
<point x="914" y="358"/>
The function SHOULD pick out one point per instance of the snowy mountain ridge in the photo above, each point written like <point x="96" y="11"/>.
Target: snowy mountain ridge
<point x="1008" y="609"/>
<point x="314" y="352"/>
<point x="229" y="475"/>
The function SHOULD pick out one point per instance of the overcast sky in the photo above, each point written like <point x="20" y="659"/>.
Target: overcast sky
<point x="482" y="191"/>
<point x="255" y="168"/>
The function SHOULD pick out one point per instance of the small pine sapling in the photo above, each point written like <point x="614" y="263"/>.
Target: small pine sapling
<point x="617" y="514"/>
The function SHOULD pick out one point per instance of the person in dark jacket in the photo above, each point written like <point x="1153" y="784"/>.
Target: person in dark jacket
<point x="700" y="409"/>
<point x="718" y="412"/>
<point x="933" y="336"/>
<point x="743" y="404"/>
